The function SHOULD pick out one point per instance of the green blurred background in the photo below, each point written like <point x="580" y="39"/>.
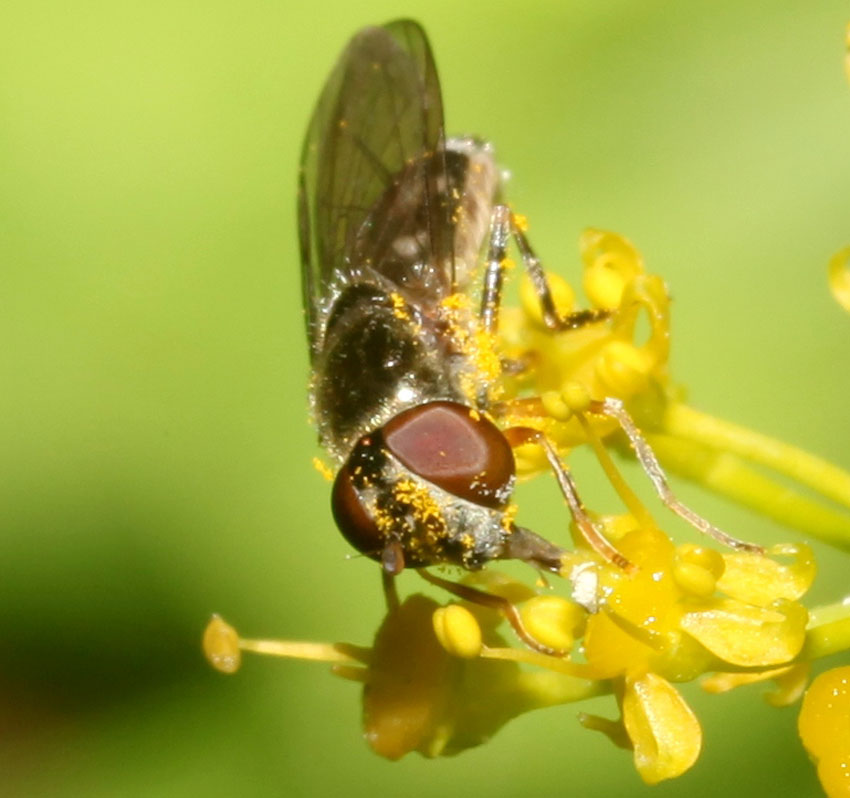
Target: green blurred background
<point x="154" y="443"/>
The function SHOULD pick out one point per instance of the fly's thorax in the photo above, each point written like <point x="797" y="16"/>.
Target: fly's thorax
<point x="435" y="480"/>
<point x="475" y="180"/>
<point x="399" y="239"/>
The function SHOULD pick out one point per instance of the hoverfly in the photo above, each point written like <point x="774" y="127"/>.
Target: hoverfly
<point x="394" y="219"/>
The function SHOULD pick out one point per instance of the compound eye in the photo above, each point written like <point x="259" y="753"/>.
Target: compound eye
<point x="351" y="517"/>
<point x="455" y="448"/>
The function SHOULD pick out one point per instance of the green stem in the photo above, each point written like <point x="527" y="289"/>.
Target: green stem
<point x="538" y="689"/>
<point x="627" y="495"/>
<point x="804" y="468"/>
<point x="340" y="653"/>
<point x="828" y="631"/>
<point x="727" y="474"/>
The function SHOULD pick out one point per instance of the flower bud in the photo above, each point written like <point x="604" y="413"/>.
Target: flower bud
<point x="221" y="645"/>
<point x="458" y="631"/>
<point x="553" y="621"/>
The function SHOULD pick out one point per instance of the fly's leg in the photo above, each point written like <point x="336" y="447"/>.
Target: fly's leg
<point x="390" y="591"/>
<point x="551" y="318"/>
<point x="503" y="227"/>
<point x="494" y="274"/>
<point x="517" y="436"/>
<point x="533" y="407"/>
<point x="613" y="408"/>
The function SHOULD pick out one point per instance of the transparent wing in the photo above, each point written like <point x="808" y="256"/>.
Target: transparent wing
<point x="374" y="194"/>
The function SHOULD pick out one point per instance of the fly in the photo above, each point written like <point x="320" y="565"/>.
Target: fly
<point x="401" y="322"/>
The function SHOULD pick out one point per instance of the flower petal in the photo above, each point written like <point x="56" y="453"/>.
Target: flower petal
<point x="742" y="634"/>
<point x="610" y="262"/>
<point x="839" y="270"/>
<point x="665" y="732"/>
<point x="760" y="580"/>
<point x="790" y="683"/>
<point x="824" y="727"/>
<point x="610" y="650"/>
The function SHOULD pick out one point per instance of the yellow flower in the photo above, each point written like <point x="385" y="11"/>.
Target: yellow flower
<point x="642" y="616"/>
<point x="440" y="678"/>
<point x="670" y="622"/>
<point x="825" y="729"/>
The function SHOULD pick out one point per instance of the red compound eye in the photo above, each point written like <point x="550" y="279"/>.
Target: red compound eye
<point x="351" y="517"/>
<point x="454" y="447"/>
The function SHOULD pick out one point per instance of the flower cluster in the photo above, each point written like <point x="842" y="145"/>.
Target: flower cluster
<point x="439" y="678"/>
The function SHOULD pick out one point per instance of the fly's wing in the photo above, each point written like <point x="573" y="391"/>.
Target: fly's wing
<point x="374" y="195"/>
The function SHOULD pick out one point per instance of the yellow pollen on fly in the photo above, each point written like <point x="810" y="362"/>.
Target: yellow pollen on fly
<point x="456" y="302"/>
<point x="419" y="500"/>
<point x="384" y="521"/>
<point x="323" y="468"/>
<point x="520" y="222"/>
<point x="508" y="516"/>
<point x="487" y="361"/>
<point x="469" y="387"/>
<point x="400" y="310"/>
